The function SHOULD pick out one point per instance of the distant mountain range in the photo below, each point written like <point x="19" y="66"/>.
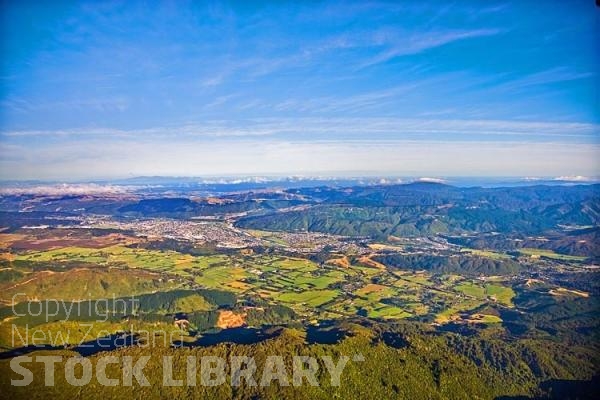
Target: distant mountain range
<point x="220" y="185"/>
<point x="420" y="208"/>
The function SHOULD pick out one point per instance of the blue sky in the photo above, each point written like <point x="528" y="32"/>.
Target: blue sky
<point x="118" y="89"/>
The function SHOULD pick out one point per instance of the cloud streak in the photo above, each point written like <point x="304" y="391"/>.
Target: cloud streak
<point x="409" y="44"/>
<point x="333" y="128"/>
<point x="550" y="76"/>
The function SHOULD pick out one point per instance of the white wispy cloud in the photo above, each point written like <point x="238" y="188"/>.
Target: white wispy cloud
<point x="355" y="102"/>
<point x="107" y="104"/>
<point x="390" y="42"/>
<point x="402" y="44"/>
<point x="431" y="180"/>
<point x="574" y="178"/>
<point x="220" y="100"/>
<point x="332" y="128"/>
<point x="62" y="189"/>
<point x="552" y="75"/>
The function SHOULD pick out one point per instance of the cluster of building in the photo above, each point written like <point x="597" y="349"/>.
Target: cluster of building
<point x="314" y="242"/>
<point x="225" y="235"/>
<point x="222" y="233"/>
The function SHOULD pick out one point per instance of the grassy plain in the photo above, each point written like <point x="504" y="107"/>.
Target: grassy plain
<point x="310" y="289"/>
<point x="549" y="254"/>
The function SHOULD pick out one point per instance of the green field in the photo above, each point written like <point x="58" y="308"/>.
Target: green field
<point x="486" y="253"/>
<point x="501" y="294"/>
<point x="313" y="298"/>
<point x="299" y="283"/>
<point x="388" y="312"/>
<point x="550" y="254"/>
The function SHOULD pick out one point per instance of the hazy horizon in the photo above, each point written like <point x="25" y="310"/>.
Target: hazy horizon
<point x="293" y="180"/>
